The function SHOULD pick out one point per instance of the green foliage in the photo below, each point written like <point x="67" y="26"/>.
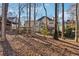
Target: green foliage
<point x="44" y="31"/>
<point x="69" y="33"/>
<point x="70" y="30"/>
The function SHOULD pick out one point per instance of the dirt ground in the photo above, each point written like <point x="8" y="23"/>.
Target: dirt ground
<point x="37" y="45"/>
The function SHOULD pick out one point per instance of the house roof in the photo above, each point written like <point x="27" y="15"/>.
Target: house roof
<point x="70" y="21"/>
<point x="9" y="20"/>
<point x="43" y="18"/>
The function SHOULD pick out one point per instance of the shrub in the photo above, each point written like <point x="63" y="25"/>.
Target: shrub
<point x="69" y="33"/>
<point x="44" y="31"/>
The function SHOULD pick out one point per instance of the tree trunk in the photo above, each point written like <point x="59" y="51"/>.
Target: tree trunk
<point x="45" y="14"/>
<point x="16" y="26"/>
<point x="34" y="17"/>
<point x="56" y="17"/>
<point x="27" y="11"/>
<point x="29" y="18"/>
<point x="62" y="20"/>
<point x="19" y="19"/>
<point x="76" y="25"/>
<point x="4" y="18"/>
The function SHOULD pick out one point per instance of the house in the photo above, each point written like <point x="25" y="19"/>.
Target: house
<point x="72" y="12"/>
<point x="41" y="22"/>
<point x="9" y="23"/>
<point x="26" y="24"/>
<point x="70" y="24"/>
<point x="14" y="22"/>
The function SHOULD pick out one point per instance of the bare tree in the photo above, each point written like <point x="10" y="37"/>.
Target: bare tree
<point x="16" y="26"/>
<point x="76" y="24"/>
<point x="56" y="17"/>
<point x="45" y="13"/>
<point x="34" y="16"/>
<point x="19" y="16"/>
<point x="20" y="8"/>
<point x="29" y="18"/>
<point x="4" y="18"/>
<point x="62" y="20"/>
<point x="34" y="13"/>
<point x="27" y="14"/>
<point x="27" y="11"/>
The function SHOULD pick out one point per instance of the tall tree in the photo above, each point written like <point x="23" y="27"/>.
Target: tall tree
<point x="76" y="24"/>
<point x="16" y="26"/>
<point x="62" y="20"/>
<point x="56" y="17"/>
<point x="29" y="18"/>
<point x="27" y="11"/>
<point x="34" y="13"/>
<point x="45" y="13"/>
<point x="34" y="16"/>
<point x="27" y="14"/>
<point x="4" y="18"/>
<point x="19" y="8"/>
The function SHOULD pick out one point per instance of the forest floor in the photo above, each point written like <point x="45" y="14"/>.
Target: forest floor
<point x="37" y="45"/>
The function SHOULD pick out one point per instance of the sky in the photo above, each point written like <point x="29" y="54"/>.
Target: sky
<point x="13" y="11"/>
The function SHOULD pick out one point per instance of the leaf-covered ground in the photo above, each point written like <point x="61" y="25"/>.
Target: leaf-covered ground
<point x="37" y="45"/>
